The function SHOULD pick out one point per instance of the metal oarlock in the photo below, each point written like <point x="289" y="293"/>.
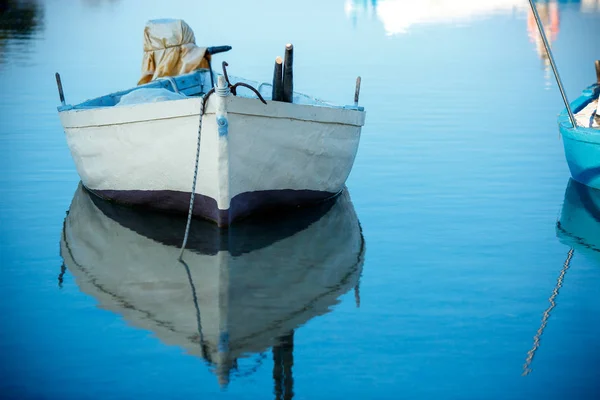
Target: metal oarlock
<point x="233" y="88"/>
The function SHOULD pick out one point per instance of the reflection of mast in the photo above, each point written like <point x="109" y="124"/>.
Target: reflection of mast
<point x="223" y="362"/>
<point x="549" y="15"/>
<point x="355" y="8"/>
<point x="538" y="335"/>
<point x="283" y="360"/>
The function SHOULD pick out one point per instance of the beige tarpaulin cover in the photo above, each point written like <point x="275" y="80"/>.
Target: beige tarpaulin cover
<point x="170" y="50"/>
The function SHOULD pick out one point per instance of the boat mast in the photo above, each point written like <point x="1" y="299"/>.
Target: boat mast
<point x="552" y="63"/>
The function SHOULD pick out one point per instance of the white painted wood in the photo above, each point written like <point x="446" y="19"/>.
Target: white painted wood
<point x="223" y="157"/>
<point x="291" y="154"/>
<point x="584" y="115"/>
<point x="267" y="147"/>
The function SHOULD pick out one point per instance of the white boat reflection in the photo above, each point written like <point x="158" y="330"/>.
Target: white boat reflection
<point x="398" y="16"/>
<point x="590" y="6"/>
<point x="241" y="290"/>
<point x="579" y="223"/>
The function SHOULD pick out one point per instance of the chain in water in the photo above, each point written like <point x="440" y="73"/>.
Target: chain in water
<point x="538" y="335"/>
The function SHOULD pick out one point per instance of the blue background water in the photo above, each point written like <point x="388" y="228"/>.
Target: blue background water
<point x="458" y="185"/>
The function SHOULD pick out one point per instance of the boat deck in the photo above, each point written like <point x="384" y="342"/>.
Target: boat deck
<point x="584" y="117"/>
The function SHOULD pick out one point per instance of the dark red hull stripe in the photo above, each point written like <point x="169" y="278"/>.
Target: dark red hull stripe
<point x="242" y="205"/>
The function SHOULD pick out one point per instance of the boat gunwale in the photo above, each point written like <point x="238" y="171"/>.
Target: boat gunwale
<point x="237" y="105"/>
<point x="580" y="133"/>
<point x="197" y="79"/>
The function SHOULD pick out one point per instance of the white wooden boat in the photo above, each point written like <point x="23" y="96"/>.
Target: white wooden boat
<point x="241" y="290"/>
<point x="253" y="156"/>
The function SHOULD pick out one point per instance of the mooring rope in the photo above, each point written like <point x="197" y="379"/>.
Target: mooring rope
<point x="224" y="92"/>
<point x="203" y="347"/>
<point x="536" y="338"/>
<point x="203" y="100"/>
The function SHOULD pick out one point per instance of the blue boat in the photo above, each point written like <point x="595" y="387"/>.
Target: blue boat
<point x="582" y="141"/>
<point x="579" y="123"/>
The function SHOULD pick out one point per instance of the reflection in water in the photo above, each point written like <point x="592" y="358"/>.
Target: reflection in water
<point x="98" y="3"/>
<point x="356" y="9"/>
<point x="579" y="223"/>
<point x="546" y="315"/>
<point x="19" y="20"/>
<point x="578" y="228"/>
<point x="588" y="6"/>
<point x="549" y="17"/>
<point x="398" y="16"/>
<point x="239" y="292"/>
<point x="283" y="360"/>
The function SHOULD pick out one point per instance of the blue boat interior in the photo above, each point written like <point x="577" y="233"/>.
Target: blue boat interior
<point x="584" y="116"/>
<point x="194" y="84"/>
<point x="588" y="95"/>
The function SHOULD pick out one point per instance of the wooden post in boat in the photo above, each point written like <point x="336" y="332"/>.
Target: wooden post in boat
<point x="357" y="91"/>
<point x="61" y="94"/>
<point x="278" y="80"/>
<point x="288" y="74"/>
<point x="283" y="361"/>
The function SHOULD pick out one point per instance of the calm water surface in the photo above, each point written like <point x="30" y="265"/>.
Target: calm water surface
<point x="446" y="289"/>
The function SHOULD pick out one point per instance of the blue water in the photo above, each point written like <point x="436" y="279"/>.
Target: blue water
<point x="458" y="184"/>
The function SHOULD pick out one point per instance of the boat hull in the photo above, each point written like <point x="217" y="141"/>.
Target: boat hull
<point x="582" y="144"/>
<point x="257" y="157"/>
